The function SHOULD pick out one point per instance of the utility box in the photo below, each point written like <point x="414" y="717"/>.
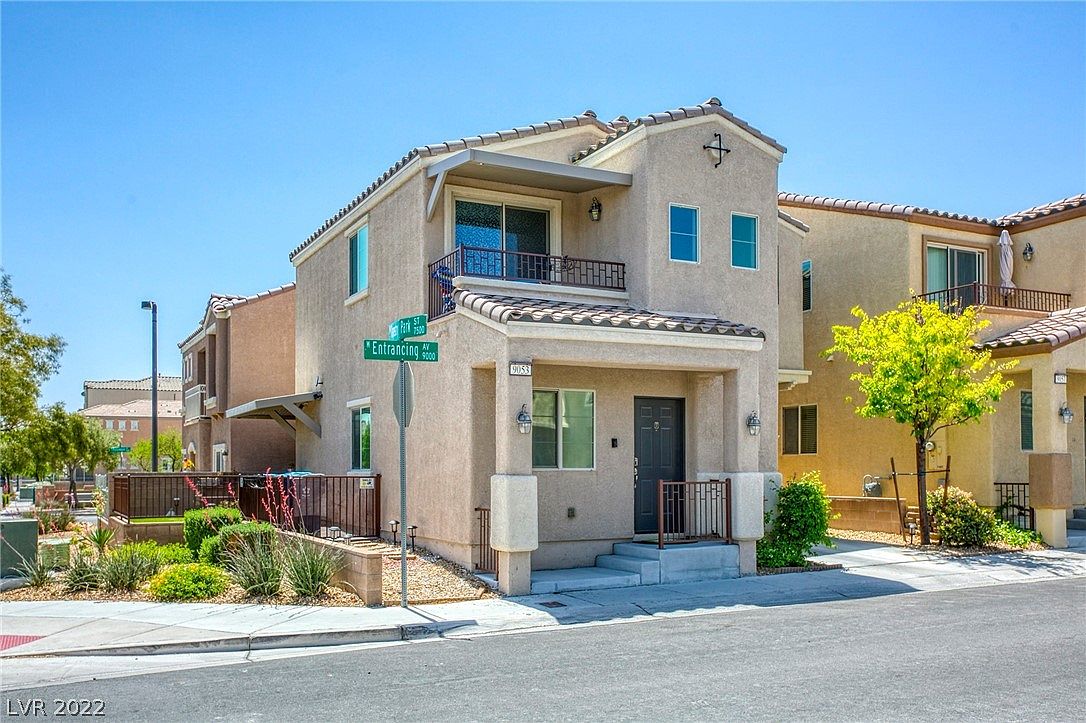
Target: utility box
<point x="18" y="542"/>
<point x="54" y="552"/>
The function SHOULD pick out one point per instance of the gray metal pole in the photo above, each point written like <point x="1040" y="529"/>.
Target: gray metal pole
<point x="154" y="386"/>
<point x="403" y="485"/>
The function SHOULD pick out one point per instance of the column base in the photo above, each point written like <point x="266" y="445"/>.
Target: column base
<point x="748" y="558"/>
<point x="515" y="573"/>
<point x="1051" y="522"/>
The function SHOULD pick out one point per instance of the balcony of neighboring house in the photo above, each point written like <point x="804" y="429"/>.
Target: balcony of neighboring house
<point x="512" y="243"/>
<point x="995" y="298"/>
<point x="195" y="397"/>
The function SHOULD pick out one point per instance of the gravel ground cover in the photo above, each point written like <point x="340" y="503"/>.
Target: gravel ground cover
<point x="885" y="538"/>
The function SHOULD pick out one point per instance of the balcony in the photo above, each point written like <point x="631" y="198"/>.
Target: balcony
<point x="993" y="297"/>
<point x="194" y="402"/>
<point x="487" y="263"/>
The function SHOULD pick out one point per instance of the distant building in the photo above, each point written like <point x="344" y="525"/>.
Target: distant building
<point x="119" y="391"/>
<point x="132" y="420"/>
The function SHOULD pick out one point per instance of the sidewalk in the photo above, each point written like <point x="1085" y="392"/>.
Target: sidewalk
<point x="141" y="628"/>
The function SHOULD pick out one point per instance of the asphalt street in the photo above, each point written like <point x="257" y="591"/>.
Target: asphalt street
<point x="1007" y="652"/>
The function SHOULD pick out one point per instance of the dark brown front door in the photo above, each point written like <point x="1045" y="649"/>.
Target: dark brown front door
<point x="659" y="452"/>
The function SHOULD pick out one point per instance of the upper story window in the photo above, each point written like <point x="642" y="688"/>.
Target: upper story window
<point x="135" y="426"/>
<point x="744" y="241"/>
<point x="495" y="227"/>
<point x="950" y="267"/>
<point x="683" y="227"/>
<point x="800" y="429"/>
<point x="109" y="424"/>
<point x="806" y="267"/>
<point x="1025" y="416"/>
<point x="360" y="252"/>
<point x="563" y="429"/>
<point x="360" y="439"/>
<point x="121" y="425"/>
<point x="187" y="367"/>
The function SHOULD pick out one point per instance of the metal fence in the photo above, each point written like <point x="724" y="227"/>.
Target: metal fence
<point x="693" y="511"/>
<point x="994" y="296"/>
<point x="1012" y="504"/>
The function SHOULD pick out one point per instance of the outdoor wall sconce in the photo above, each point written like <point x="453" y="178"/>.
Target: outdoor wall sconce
<point x="1066" y="414"/>
<point x="595" y="209"/>
<point x="524" y="420"/>
<point x="1027" y="252"/>
<point x="754" y="425"/>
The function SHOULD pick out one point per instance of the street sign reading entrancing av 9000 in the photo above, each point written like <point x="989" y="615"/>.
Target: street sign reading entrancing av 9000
<point x="385" y="350"/>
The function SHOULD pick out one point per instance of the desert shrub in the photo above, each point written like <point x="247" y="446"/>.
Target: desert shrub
<point x="802" y="521"/>
<point x="255" y="565"/>
<point x="959" y="519"/>
<point x="173" y="554"/>
<point x="51" y="518"/>
<point x="128" y="566"/>
<point x="232" y="535"/>
<point x="206" y="522"/>
<point x="1008" y="534"/>
<point x="210" y="550"/>
<point x="99" y="537"/>
<point x="309" y="567"/>
<point x="35" y="571"/>
<point x="84" y="573"/>
<point x="188" y="581"/>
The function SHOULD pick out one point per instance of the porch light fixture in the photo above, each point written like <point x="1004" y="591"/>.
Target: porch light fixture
<point x="754" y="425"/>
<point x="524" y="420"/>
<point x="595" y="209"/>
<point x="1066" y="414"/>
<point x="1027" y="252"/>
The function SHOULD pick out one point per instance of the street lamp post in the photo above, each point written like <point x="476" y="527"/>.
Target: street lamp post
<point x="154" y="382"/>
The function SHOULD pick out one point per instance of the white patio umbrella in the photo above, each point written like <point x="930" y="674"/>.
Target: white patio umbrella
<point x="1006" y="260"/>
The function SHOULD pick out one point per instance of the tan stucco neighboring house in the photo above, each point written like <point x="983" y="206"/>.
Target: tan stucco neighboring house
<point x="242" y="350"/>
<point x="616" y="281"/>
<point x="119" y="391"/>
<point x="877" y="255"/>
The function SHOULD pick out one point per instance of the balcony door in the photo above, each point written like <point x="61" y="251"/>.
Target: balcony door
<point x="500" y="235"/>
<point x="954" y="270"/>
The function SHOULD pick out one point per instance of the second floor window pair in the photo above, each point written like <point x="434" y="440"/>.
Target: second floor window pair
<point x="359" y="243"/>
<point x="684" y="225"/>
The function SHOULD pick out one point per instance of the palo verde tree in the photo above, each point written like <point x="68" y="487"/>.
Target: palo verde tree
<point x="918" y="366"/>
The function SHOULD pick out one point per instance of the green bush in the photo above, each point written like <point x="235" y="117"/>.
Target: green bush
<point x="232" y="535"/>
<point x="255" y="565"/>
<point x="83" y="573"/>
<point x="1008" y="534"/>
<point x="959" y="519"/>
<point x="174" y="554"/>
<point x="206" y="522"/>
<point x="100" y="537"/>
<point x="128" y="566"/>
<point x="309" y="567"/>
<point x="211" y="550"/>
<point x="802" y="521"/>
<point x="36" y="571"/>
<point x="188" y="581"/>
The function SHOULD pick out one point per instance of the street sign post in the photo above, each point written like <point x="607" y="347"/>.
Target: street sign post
<point x="119" y="450"/>
<point x="394" y="348"/>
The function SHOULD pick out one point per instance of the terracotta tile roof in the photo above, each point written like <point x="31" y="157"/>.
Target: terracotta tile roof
<point x="710" y="107"/>
<point x="165" y="384"/>
<point x="793" y="221"/>
<point x="1045" y="209"/>
<point x="139" y="408"/>
<point x="1056" y="329"/>
<point x="904" y="211"/>
<point x="587" y="118"/>
<point x="223" y="302"/>
<point x="505" y="309"/>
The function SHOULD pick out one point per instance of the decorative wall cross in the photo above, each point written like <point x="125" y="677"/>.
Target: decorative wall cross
<point x="718" y="146"/>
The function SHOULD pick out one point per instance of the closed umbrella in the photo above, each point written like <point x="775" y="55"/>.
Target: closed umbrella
<point x="1006" y="260"/>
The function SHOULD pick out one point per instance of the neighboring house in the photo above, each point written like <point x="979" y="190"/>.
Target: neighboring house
<point x="119" y="391"/>
<point x="132" y="421"/>
<point x="629" y="272"/>
<point x="242" y="350"/>
<point x="877" y="255"/>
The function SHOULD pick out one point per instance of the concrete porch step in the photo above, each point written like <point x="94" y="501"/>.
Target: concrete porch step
<point x="648" y="570"/>
<point x="1076" y="523"/>
<point x="581" y="578"/>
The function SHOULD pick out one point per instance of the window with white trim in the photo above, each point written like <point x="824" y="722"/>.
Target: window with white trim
<point x="121" y="425"/>
<point x="109" y="424"/>
<point x="563" y="429"/>
<point x="359" y="250"/>
<point x="135" y="426"/>
<point x="361" y="426"/>
<point x="799" y="430"/>
<point x="683" y="233"/>
<point x="744" y="241"/>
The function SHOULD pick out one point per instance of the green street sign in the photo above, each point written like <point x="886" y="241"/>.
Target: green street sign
<point x="119" y="450"/>
<point x="385" y="350"/>
<point x="407" y="327"/>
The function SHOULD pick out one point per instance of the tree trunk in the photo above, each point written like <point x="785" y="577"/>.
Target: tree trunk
<point x="922" y="491"/>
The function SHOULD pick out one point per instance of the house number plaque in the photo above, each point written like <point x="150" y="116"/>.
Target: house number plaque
<point x="520" y="369"/>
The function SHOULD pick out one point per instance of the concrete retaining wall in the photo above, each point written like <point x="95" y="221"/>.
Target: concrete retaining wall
<point x="160" y="532"/>
<point x="871" y="514"/>
<point x="361" y="571"/>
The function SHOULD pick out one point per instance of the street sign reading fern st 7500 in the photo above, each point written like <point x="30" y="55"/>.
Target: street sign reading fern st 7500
<point x="385" y="350"/>
<point x="406" y="327"/>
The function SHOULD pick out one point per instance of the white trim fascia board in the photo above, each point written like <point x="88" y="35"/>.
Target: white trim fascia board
<point x="398" y="179"/>
<point x="568" y="332"/>
<point x="357" y="225"/>
<point x="798" y="231"/>
<point x="793" y="376"/>
<point x="360" y="402"/>
<point x="513" y="162"/>
<point x="612" y="148"/>
<point x="543" y="291"/>
<point x="501" y="146"/>
<point x="188" y="345"/>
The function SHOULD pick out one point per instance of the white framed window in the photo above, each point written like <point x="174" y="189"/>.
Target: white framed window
<point x="683" y="224"/>
<point x="361" y="439"/>
<point x="563" y="429"/>
<point x="1025" y="418"/>
<point x="218" y="458"/>
<point x="501" y="221"/>
<point x="744" y="241"/>
<point x="799" y="430"/>
<point x="950" y="267"/>
<point x="806" y="270"/>
<point x="187" y="367"/>
<point x="109" y="424"/>
<point x="358" y="248"/>
<point x="135" y="426"/>
<point x="121" y="425"/>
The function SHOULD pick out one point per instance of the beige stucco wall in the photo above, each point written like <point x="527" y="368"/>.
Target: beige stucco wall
<point x="791" y="312"/>
<point x="1059" y="261"/>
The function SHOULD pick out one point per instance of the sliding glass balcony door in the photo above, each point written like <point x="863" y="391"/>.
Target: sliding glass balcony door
<point x="954" y="271"/>
<point x="501" y="230"/>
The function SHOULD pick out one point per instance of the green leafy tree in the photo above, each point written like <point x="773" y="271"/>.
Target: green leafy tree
<point x="83" y="443"/>
<point x="38" y="447"/>
<point x="169" y="447"/>
<point x="26" y="360"/>
<point x="918" y="367"/>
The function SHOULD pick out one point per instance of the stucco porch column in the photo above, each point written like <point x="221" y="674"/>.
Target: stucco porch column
<point x="740" y="399"/>
<point x="1050" y="462"/>
<point x="707" y="414"/>
<point x="514" y="523"/>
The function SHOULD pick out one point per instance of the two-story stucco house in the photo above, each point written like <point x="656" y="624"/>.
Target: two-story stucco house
<point x="877" y="255"/>
<point x="242" y="350"/>
<point x="614" y="283"/>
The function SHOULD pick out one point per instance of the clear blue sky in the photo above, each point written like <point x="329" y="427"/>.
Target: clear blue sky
<point x="167" y="151"/>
